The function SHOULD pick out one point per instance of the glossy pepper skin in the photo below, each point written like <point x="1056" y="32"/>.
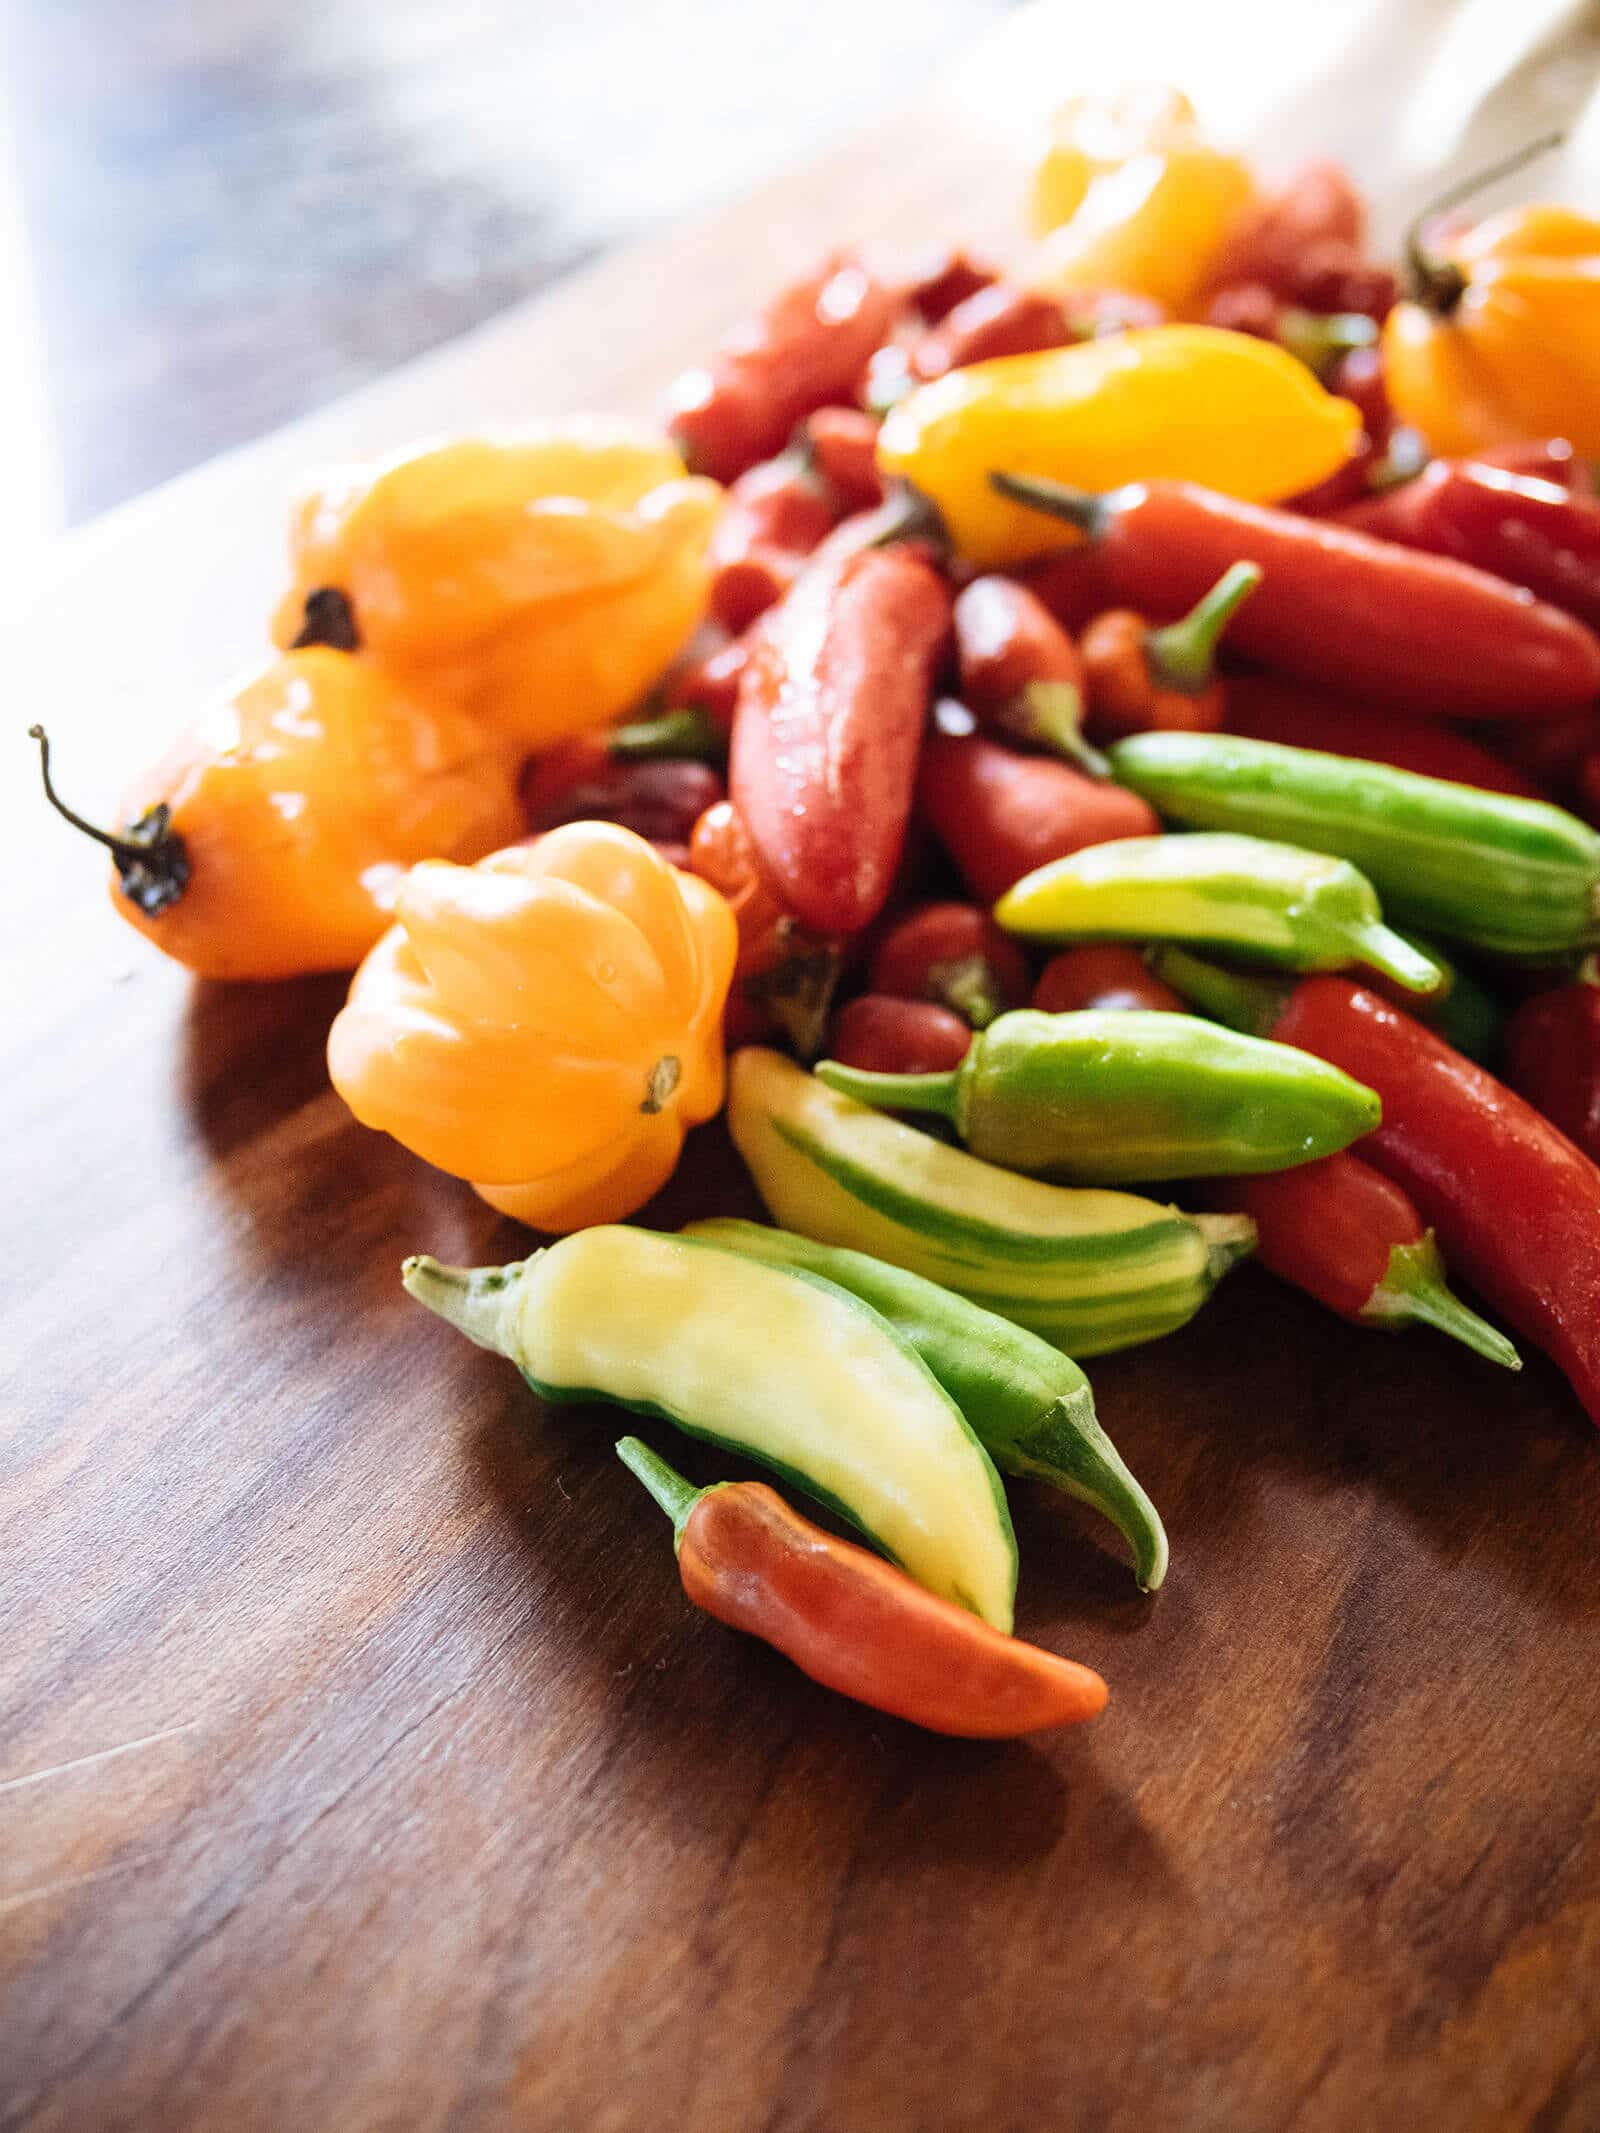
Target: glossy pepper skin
<point x="1189" y="403"/>
<point x="853" y="1622"/>
<point x="1265" y="901"/>
<point x="1001" y="815"/>
<point x="784" y="976"/>
<point x="1347" y="1235"/>
<point x="1279" y="236"/>
<point x="1139" y="677"/>
<point x="1499" y="337"/>
<point x="1511" y="877"/>
<point x="1021" y="674"/>
<point x="273" y="837"/>
<point x="1131" y="195"/>
<point x="776" y="513"/>
<point x="956" y="955"/>
<point x="542" y="582"/>
<point x="804" y="350"/>
<point x="1102" y="974"/>
<point x="590" y="778"/>
<point x="546" y="1024"/>
<point x="829" y="729"/>
<point x="1262" y="708"/>
<point x="1002" y="320"/>
<point x="1337" y="607"/>
<point x="891" y="1035"/>
<point x="1552" y="1057"/>
<point x="1112" y="1099"/>
<point x="1032" y="1407"/>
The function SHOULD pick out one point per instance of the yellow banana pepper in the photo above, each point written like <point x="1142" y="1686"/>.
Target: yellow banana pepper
<point x="1499" y="341"/>
<point x="541" y="582"/>
<point x="547" y="1023"/>
<point x="1131" y="195"/>
<point x="1187" y="403"/>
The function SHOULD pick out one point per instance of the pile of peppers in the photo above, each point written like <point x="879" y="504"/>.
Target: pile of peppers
<point x="1138" y="709"/>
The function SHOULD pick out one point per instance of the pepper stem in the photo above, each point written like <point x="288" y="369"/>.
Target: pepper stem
<point x="471" y="1298"/>
<point x="1413" y="1291"/>
<point x="1227" y="996"/>
<point x="1056" y="499"/>
<point x="964" y="984"/>
<point x="676" y="1496"/>
<point x="1391" y="953"/>
<point x="1439" y="283"/>
<point x="1052" y="712"/>
<point x="1183" y="656"/>
<point x="152" y="859"/>
<point x="1318" y="338"/>
<point x="894" y="1092"/>
<point x="687" y="731"/>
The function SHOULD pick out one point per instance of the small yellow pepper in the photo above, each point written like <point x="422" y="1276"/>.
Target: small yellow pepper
<point x="1185" y="403"/>
<point x="1131" y="195"/>
<point x="547" y="1024"/>
<point x="1499" y="340"/>
<point x="542" y="582"/>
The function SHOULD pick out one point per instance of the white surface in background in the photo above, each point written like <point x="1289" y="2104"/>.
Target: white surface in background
<point x="155" y="606"/>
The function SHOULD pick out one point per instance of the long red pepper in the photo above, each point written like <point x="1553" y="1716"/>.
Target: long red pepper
<point x="829" y="728"/>
<point x="1266" y="709"/>
<point x="1336" y="606"/>
<point x="806" y="349"/>
<point x="1103" y="974"/>
<point x="1350" y="1237"/>
<point x="1537" y="533"/>
<point x="999" y="815"/>
<point x="1552" y="1057"/>
<point x="852" y="1621"/>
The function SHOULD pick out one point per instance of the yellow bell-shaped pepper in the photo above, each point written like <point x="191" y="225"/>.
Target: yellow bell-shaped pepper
<point x="1131" y="195"/>
<point x="541" y="582"/>
<point x="1500" y="340"/>
<point x="547" y="1024"/>
<point x="1186" y="403"/>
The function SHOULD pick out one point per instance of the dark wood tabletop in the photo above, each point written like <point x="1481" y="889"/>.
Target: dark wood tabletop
<point x="362" y="1766"/>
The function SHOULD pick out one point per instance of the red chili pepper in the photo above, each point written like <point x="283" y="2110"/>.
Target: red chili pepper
<point x="1103" y="974"/>
<point x="775" y="515"/>
<point x="580" y="780"/>
<point x="1351" y="1238"/>
<point x="1358" y="377"/>
<point x="784" y="976"/>
<point x="1552" y="1057"/>
<point x="829" y="727"/>
<point x="956" y="955"/>
<point x="890" y="1035"/>
<point x="1020" y="672"/>
<point x="1003" y="320"/>
<point x="807" y="348"/>
<point x="1141" y="678"/>
<point x="711" y="683"/>
<point x="1073" y="586"/>
<point x="1540" y="534"/>
<point x="1543" y="459"/>
<point x="1000" y="815"/>
<point x="852" y="1621"/>
<point x="843" y="443"/>
<point x="947" y="281"/>
<point x="1265" y="709"/>
<point x="1335" y="606"/>
<point x="1337" y="277"/>
<point x="1268" y="244"/>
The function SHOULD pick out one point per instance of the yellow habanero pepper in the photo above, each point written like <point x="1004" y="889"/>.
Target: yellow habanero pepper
<point x="1499" y="338"/>
<point x="1185" y="403"/>
<point x="542" y="581"/>
<point x="1131" y="195"/>
<point x="547" y="1024"/>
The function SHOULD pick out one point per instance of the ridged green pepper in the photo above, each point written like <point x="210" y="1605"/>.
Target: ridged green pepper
<point x="1032" y="1407"/>
<point x="1265" y="901"/>
<point x="1511" y="876"/>
<point x="1102" y="1098"/>
<point x="768" y="1361"/>
<point x="1087" y="1271"/>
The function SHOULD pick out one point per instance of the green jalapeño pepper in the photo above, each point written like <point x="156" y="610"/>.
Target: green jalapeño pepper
<point x="1267" y="902"/>
<point x="1031" y="1406"/>
<point x="1103" y="1098"/>
<point x="1511" y="876"/>
<point x="768" y="1361"/>
<point x="1087" y="1271"/>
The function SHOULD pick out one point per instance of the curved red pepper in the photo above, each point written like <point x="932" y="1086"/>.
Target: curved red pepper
<point x="1265" y="709"/>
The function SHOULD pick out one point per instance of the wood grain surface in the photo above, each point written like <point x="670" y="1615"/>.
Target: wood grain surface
<point x="362" y="1766"/>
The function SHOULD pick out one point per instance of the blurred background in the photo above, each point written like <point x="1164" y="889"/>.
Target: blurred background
<point x="219" y="214"/>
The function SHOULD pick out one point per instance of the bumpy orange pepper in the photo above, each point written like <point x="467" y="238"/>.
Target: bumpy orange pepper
<point x="272" y="837"/>
<point x="542" y="582"/>
<point x="546" y="1024"/>
<point x="1131" y="195"/>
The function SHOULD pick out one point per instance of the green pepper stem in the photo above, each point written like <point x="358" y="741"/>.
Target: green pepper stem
<point x="1056" y="499"/>
<point x="1052" y="712"/>
<point x="1228" y="996"/>
<point x="1389" y="952"/>
<point x="1183" y="656"/>
<point x="689" y="730"/>
<point x="1439" y="283"/>
<point x="1414" y="1291"/>
<point x="894" y="1092"/>
<point x="904" y="515"/>
<point x="676" y="1496"/>
<point x="1316" y="338"/>
<point x="964" y="985"/>
<point x="470" y="1298"/>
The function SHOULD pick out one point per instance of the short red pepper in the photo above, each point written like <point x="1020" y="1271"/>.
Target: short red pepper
<point x="776" y="513"/>
<point x="1552" y="1057"/>
<point x="1103" y="974"/>
<point x="1140" y="678"/>
<point x="953" y="954"/>
<point x="885" y="1034"/>
<point x="1001" y="320"/>
<point x="1021" y="674"/>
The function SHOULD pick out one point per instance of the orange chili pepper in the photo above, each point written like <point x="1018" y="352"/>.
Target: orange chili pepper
<point x="852" y="1621"/>
<point x="1139" y="678"/>
<point x="272" y="837"/>
<point x="784" y="974"/>
<point x="547" y="1023"/>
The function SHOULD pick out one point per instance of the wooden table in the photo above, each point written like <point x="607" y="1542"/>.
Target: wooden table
<point x="362" y="1767"/>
